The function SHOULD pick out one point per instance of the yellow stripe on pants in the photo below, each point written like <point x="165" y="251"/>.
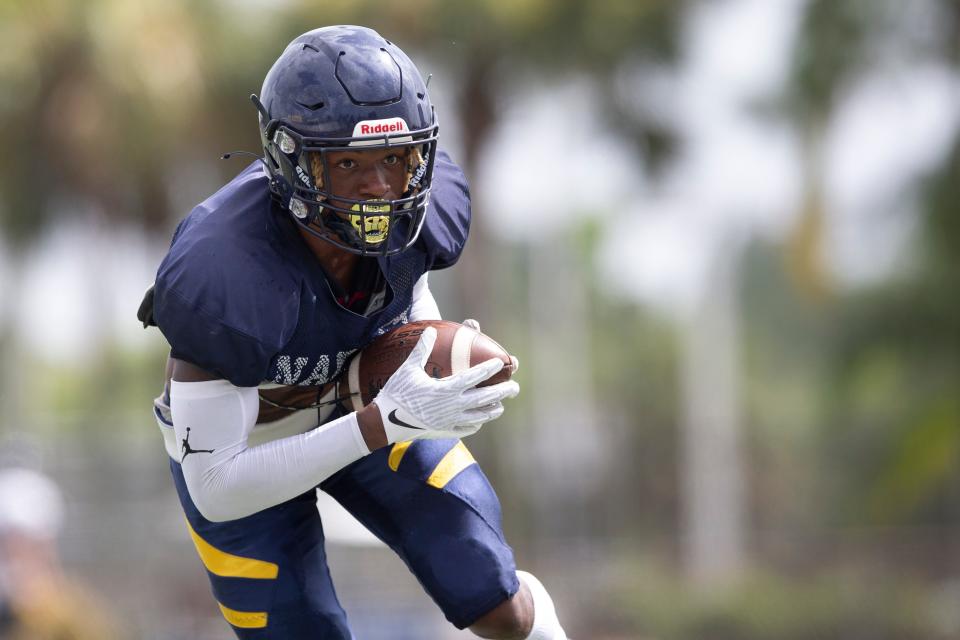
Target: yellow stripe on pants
<point x="456" y="460"/>
<point x="244" y="619"/>
<point x="227" y="565"/>
<point x="396" y="454"/>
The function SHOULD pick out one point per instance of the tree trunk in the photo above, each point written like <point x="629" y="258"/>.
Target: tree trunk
<point x="712" y="467"/>
<point x="475" y="274"/>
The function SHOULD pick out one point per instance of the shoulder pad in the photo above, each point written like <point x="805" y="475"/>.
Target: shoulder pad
<point x="447" y="224"/>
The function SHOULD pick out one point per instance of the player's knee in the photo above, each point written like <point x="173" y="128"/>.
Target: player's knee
<point x="512" y="619"/>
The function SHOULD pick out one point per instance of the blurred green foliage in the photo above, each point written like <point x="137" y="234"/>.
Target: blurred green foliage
<point x="835" y="604"/>
<point x="102" y="99"/>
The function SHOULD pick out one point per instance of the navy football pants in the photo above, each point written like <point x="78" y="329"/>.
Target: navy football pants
<point x="427" y="500"/>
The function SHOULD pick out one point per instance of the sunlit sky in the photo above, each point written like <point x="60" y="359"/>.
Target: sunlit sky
<point x="552" y="160"/>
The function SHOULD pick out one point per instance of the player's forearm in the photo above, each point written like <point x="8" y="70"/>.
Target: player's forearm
<point x="226" y="479"/>
<point x="269" y="474"/>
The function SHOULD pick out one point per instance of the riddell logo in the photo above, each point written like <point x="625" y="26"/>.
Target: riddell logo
<point x="373" y="127"/>
<point x="304" y="178"/>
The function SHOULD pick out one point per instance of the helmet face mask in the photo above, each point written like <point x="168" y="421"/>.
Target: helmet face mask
<point x="346" y="89"/>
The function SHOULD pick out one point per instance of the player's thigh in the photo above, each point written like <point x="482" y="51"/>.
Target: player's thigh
<point x="268" y="571"/>
<point x="432" y="504"/>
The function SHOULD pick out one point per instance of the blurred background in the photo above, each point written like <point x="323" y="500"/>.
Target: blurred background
<point x="721" y="236"/>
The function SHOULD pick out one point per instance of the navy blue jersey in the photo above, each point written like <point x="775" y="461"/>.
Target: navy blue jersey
<point x="241" y="295"/>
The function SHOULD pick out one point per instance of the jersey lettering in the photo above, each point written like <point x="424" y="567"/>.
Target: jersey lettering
<point x="290" y="370"/>
<point x="285" y="373"/>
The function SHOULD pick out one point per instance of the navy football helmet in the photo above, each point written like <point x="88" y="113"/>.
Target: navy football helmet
<point x="335" y="89"/>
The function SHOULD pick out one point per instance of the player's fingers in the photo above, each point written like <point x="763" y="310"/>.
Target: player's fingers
<point x="421" y="352"/>
<point x="476" y="374"/>
<point x="483" y="396"/>
<point x="507" y="389"/>
<point x="473" y="324"/>
<point x="480" y="415"/>
<point x="493" y="410"/>
<point x="516" y="363"/>
<point x="463" y="431"/>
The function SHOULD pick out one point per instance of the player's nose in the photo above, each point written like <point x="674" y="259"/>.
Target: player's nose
<point x="373" y="183"/>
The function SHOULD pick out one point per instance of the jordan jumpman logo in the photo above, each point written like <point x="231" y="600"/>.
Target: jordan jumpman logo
<point x="187" y="449"/>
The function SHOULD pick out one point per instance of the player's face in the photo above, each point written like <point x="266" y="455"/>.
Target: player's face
<point x="373" y="177"/>
<point x="372" y="174"/>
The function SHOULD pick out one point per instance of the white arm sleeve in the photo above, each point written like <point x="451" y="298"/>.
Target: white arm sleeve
<point x="424" y="307"/>
<point x="226" y="479"/>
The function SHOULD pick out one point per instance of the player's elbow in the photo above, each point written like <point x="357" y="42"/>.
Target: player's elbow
<point x="214" y="504"/>
<point x="214" y="510"/>
<point x="218" y="508"/>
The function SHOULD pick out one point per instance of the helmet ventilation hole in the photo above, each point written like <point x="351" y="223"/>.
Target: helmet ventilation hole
<point x="312" y="107"/>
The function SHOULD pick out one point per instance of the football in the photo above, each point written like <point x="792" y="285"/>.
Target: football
<point x="458" y="348"/>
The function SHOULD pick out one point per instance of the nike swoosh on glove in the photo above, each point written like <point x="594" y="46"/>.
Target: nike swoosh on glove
<point x="413" y="405"/>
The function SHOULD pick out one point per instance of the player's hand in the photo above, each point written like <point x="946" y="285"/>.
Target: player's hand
<point x="414" y="405"/>
<point x="473" y="324"/>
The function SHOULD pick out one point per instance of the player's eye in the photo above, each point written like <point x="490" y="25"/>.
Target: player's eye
<point x="347" y="163"/>
<point x="391" y="159"/>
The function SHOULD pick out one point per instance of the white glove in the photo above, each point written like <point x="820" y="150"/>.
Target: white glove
<point x="414" y="405"/>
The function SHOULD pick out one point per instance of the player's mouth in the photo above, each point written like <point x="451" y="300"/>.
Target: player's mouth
<point x="372" y="229"/>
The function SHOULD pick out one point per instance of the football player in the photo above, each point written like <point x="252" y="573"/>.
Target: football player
<point x="268" y="288"/>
